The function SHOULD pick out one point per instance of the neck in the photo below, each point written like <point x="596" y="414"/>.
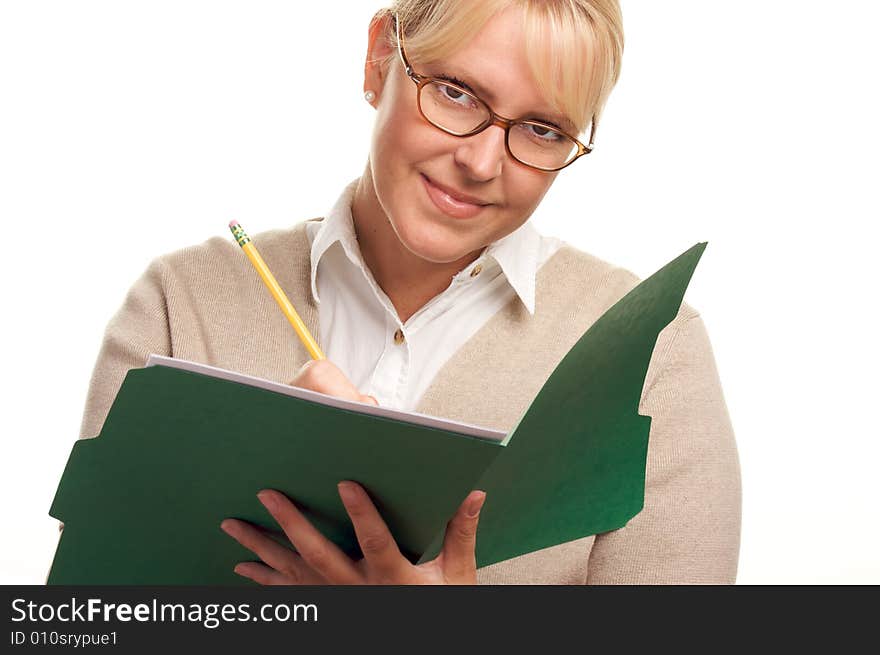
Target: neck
<point x="408" y="280"/>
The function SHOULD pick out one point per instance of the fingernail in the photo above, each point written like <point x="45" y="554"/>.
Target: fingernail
<point x="475" y="505"/>
<point x="268" y="499"/>
<point x="347" y="492"/>
<point x="226" y="526"/>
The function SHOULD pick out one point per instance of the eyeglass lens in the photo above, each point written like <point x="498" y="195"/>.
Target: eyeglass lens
<point x="458" y="112"/>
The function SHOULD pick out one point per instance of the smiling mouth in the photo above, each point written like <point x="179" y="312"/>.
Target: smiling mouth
<point x="451" y="203"/>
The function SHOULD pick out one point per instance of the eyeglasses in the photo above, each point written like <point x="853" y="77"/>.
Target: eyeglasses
<point x="458" y="112"/>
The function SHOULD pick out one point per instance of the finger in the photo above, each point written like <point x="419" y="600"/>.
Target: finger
<point x="261" y="574"/>
<point x="378" y="546"/>
<point x="460" y="542"/>
<point x="281" y="559"/>
<point x="266" y="575"/>
<point x="321" y="554"/>
<point x="325" y="377"/>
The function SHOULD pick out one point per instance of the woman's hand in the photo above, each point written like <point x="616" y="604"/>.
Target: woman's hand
<point x="319" y="561"/>
<point x="324" y="376"/>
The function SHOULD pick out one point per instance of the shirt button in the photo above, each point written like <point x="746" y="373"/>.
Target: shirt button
<point x="475" y="271"/>
<point x="398" y="337"/>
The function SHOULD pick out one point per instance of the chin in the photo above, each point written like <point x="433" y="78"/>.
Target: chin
<point x="432" y="242"/>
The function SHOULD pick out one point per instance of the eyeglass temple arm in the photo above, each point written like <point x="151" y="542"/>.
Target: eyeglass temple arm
<point x="589" y="146"/>
<point x="406" y="65"/>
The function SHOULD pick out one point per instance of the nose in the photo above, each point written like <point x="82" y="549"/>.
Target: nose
<point x="481" y="156"/>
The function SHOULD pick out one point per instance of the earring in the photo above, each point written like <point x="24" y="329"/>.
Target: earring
<point x="369" y="96"/>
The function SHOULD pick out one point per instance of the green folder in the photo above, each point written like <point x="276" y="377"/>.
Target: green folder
<point x="182" y="450"/>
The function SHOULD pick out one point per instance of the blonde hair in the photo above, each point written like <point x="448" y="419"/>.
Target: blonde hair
<point x="574" y="47"/>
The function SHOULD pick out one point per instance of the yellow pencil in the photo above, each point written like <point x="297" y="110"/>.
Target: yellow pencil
<point x="301" y="330"/>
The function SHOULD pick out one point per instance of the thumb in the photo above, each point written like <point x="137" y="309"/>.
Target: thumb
<point x="370" y="400"/>
<point x="460" y="542"/>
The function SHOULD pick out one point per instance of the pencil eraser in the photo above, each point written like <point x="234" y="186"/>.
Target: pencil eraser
<point x="233" y="223"/>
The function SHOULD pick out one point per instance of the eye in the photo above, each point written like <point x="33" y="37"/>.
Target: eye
<point x="543" y="132"/>
<point x="455" y="95"/>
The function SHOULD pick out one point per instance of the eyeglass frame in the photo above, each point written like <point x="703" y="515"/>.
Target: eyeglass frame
<point x="494" y="119"/>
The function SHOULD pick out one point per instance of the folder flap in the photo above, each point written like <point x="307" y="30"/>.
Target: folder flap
<point x="575" y="464"/>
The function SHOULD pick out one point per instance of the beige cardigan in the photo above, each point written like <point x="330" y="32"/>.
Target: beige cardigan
<point x="205" y="304"/>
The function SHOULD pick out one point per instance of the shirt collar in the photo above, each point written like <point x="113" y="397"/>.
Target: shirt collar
<point x="516" y="254"/>
<point x="338" y="225"/>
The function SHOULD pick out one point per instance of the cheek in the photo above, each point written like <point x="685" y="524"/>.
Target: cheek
<point x="524" y="190"/>
<point x="402" y="144"/>
<point x="402" y="140"/>
<point x="399" y="129"/>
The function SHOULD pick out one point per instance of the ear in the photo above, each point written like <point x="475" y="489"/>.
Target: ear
<point x="378" y="49"/>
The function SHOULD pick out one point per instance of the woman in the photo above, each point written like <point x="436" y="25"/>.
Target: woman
<point x="430" y="291"/>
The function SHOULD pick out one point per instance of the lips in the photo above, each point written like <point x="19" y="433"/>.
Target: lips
<point x="451" y="202"/>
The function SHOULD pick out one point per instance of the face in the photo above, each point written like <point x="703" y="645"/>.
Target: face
<point x="447" y="197"/>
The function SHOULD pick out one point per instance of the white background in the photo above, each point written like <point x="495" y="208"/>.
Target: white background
<point x="130" y="129"/>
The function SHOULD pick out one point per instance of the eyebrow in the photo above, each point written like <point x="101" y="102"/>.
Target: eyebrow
<point x="480" y="90"/>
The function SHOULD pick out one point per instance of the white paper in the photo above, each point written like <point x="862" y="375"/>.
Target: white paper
<point x="324" y="399"/>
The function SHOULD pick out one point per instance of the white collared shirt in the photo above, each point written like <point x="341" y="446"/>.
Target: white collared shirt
<point x="361" y="332"/>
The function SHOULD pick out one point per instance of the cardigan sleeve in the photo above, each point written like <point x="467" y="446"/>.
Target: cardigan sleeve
<point x="689" y="529"/>
<point x="138" y="328"/>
